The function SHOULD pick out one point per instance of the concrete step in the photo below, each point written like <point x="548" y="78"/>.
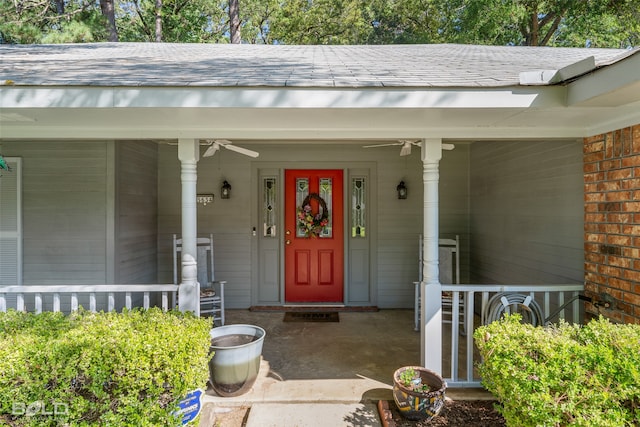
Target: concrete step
<point x="313" y="415"/>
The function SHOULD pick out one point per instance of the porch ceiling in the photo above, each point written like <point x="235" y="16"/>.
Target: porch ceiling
<point x="363" y="93"/>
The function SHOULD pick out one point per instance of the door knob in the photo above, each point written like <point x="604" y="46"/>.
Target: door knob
<point x="288" y="232"/>
<point x="288" y="242"/>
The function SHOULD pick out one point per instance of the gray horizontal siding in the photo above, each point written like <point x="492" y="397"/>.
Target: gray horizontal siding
<point x="527" y="214"/>
<point x="64" y="216"/>
<point x="136" y="212"/>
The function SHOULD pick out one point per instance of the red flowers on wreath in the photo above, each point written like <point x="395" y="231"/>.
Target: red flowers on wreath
<point x="312" y="224"/>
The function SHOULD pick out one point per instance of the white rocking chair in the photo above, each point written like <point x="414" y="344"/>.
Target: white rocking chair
<point x="211" y="290"/>
<point x="449" y="257"/>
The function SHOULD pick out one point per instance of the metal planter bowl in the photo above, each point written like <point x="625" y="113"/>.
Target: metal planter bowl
<point x="419" y="405"/>
<point x="236" y="361"/>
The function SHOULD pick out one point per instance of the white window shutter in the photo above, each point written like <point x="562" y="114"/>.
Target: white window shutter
<point x="11" y="223"/>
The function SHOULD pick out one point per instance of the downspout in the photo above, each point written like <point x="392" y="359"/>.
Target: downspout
<point x="189" y="290"/>
<point x="430" y="288"/>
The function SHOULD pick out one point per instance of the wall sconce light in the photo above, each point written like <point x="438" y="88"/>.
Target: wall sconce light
<point x="204" y="199"/>
<point x="225" y="191"/>
<point x="402" y="190"/>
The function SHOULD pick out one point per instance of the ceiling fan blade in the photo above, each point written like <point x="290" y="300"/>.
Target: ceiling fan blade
<point x="382" y="145"/>
<point x="241" y="150"/>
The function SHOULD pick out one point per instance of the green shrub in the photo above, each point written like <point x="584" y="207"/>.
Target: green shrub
<point x="562" y="375"/>
<point x="106" y="369"/>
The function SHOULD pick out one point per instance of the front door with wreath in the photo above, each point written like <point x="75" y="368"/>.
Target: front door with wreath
<point x="314" y="245"/>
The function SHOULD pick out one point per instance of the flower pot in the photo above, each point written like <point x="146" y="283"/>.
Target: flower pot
<point x="417" y="404"/>
<point x="234" y="367"/>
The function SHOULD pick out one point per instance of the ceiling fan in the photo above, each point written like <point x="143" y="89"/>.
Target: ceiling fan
<point x="406" y="146"/>
<point x="215" y="144"/>
<point x="405" y="143"/>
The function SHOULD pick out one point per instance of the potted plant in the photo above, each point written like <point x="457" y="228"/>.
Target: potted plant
<point x="419" y="393"/>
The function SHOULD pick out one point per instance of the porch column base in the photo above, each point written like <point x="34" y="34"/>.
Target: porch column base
<point x="189" y="289"/>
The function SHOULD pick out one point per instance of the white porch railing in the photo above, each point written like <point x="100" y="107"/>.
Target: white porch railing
<point x="463" y="357"/>
<point x="104" y="297"/>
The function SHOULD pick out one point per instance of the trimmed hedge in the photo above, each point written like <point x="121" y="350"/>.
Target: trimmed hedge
<point x="107" y="369"/>
<point x="563" y="375"/>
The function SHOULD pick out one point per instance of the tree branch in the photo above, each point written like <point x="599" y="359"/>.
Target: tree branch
<point x="145" y="27"/>
<point x="551" y="30"/>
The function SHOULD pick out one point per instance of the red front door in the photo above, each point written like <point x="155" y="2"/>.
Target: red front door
<point x="314" y="236"/>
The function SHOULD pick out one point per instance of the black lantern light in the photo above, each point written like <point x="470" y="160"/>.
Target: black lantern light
<point x="402" y="190"/>
<point x="225" y="191"/>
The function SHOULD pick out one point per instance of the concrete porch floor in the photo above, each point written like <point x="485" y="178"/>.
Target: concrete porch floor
<point x="350" y="362"/>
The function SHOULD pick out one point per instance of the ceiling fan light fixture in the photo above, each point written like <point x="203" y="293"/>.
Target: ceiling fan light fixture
<point x="406" y="149"/>
<point x="211" y="150"/>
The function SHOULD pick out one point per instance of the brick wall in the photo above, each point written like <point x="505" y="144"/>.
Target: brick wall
<point x="612" y="223"/>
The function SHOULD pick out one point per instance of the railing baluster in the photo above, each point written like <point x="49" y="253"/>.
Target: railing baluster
<point x="56" y="302"/>
<point x="485" y="301"/>
<point x="38" y="302"/>
<point x="3" y="303"/>
<point x="127" y="300"/>
<point x="560" y="304"/>
<point x="74" y="301"/>
<point x="145" y="301"/>
<point x="547" y="304"/>
<point x="469" y="311"/>
<point x="20" y="302"/>
<point x="455" y="318"/>
<point x="92" y="302"/>
<point x="111" y="304"/>
<point x="165" y="301"/>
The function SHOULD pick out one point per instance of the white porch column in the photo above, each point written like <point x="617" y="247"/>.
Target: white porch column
<point x="189" y="290"/>
<point x="430" y="288"/>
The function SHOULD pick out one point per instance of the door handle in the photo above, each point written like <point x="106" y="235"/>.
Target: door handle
<point x="288" y="242"/>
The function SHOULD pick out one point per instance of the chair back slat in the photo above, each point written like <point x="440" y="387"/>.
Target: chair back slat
<point x="204" y="258"/>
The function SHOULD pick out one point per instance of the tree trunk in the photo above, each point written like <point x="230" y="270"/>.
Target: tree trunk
<point x="535" y="28"/>
<point x="108" y="11"/>
<point x="158" y="21"/>
<point x="234" y="21"/>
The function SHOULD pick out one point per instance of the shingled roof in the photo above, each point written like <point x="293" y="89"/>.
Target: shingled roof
<point x="217" y="65"/>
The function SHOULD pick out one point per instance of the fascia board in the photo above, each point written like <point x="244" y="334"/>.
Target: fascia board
<point x="55" y="97"/>
<point x="64" y="97"/>
<point x="614" y="85"/>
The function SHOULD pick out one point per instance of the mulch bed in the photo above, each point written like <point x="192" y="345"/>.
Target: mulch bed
<point x="456" y="413"/>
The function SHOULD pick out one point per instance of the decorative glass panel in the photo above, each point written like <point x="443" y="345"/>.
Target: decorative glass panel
<point x="269" y="207"/>
<point x="302" y="191"/>
<point x="358" y="211"/>
<point x="326" y="193"/>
